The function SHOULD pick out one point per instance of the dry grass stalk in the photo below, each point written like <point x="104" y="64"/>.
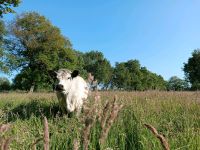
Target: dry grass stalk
<point x="89" y="122"/>
<point x="7" y="143"/>
<point x="33" y="145"/>
<point x="104" y="116"/>
<point x="4" y="127"/>
<point x="1" y="143"/>
<point x="106" y="110"/>
<point x="76" y="144"/>
<point x="46" y="134"/>
<point x="94" y="113"/>
<point x="86" y="136"/>
<point x="90" y="78"/>
<point x="93" y="83"/>
<point x="153" y="130"/>
<point x="90" y="119"/>
<point x="4" y="143"/>
<point x="113" y="115"/>
<point x="96" y="103"/>
<point x="162" y="139"/>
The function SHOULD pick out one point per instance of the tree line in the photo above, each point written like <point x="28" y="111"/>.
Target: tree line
<point x="35" y="48"/>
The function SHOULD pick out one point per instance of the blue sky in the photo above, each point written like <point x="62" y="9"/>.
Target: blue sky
<point x="161" y="34"/>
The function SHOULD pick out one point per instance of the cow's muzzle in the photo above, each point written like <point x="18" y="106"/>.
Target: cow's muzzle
<point x="59" y="87"/>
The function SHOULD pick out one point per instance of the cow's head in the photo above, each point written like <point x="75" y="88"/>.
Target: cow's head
<point x="65" y="78"/>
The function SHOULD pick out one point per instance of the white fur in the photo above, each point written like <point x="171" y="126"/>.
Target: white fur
<point x="75" y="91"/>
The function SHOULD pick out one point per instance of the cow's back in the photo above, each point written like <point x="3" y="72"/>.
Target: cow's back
<point x="79" y="87"/>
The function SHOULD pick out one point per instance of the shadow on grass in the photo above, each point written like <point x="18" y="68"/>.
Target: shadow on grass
<point x="34" y="108"/>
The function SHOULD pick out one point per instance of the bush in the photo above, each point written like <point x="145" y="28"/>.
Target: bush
<point x="5" y="84"/>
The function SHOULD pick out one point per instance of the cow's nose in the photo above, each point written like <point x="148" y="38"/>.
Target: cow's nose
<point x="59" y="87"/>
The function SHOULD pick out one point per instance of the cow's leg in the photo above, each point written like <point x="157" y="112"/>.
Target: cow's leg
<point x="79" y="104"/>
<point x="78" y="111"/>
<point x="62" y="102"/>
<point x="70" y="103"/>
<point x="62" y="106"/>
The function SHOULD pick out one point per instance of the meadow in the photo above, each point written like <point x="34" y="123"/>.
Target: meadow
<point x="175" y="115"/>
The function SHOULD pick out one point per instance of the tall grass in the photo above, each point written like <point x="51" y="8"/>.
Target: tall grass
<point x="175" y="115"/>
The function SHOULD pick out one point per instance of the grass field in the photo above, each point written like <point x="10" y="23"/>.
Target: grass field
<point x="176" y="115"/>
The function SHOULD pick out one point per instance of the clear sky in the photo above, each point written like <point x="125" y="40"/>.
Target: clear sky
<point x="161" y="34"/>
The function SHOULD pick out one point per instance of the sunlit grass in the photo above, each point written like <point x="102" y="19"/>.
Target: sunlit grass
<point x="176" y="115"/>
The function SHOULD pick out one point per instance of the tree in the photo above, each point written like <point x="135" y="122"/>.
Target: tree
<point x="192" y="70"/>
<point x="4" y="84"/>
<point x="152" y="81"/>
<point x="3" y="67"/>
<point x="6" y="6"/>
<point x="95" y="63"/>
<point x="131" y="76"/>
<point x="121" y="76"/>
<point x="127" y="75"/>
<point x="37" y="48"/>
<point x="80" y="64"/>
<point x="177" y="84"/>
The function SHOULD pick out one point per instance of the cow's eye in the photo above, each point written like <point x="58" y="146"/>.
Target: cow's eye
<point x="69" y="78"/>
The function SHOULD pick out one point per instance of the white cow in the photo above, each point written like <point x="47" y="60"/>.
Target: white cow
<point x="71" y="90"/>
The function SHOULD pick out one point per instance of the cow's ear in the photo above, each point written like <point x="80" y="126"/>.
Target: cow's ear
<point x="75" y="73"/>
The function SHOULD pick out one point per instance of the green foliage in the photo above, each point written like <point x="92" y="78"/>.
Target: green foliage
<point x="24" y="79"/>
<point x="177" y="84"/>
<point x="95" y="63"/>
<point x="151" y="81"/>
<point x="131" y="76"/>
<point x="80" y="64"/>
<point x="38" y="48"/>
<point x="6" y="6"/>
<point x="192" y="69"/>
<point x="3" y="66"/>
<point x="132" y="133"/>
<point x="5" y="84"/>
